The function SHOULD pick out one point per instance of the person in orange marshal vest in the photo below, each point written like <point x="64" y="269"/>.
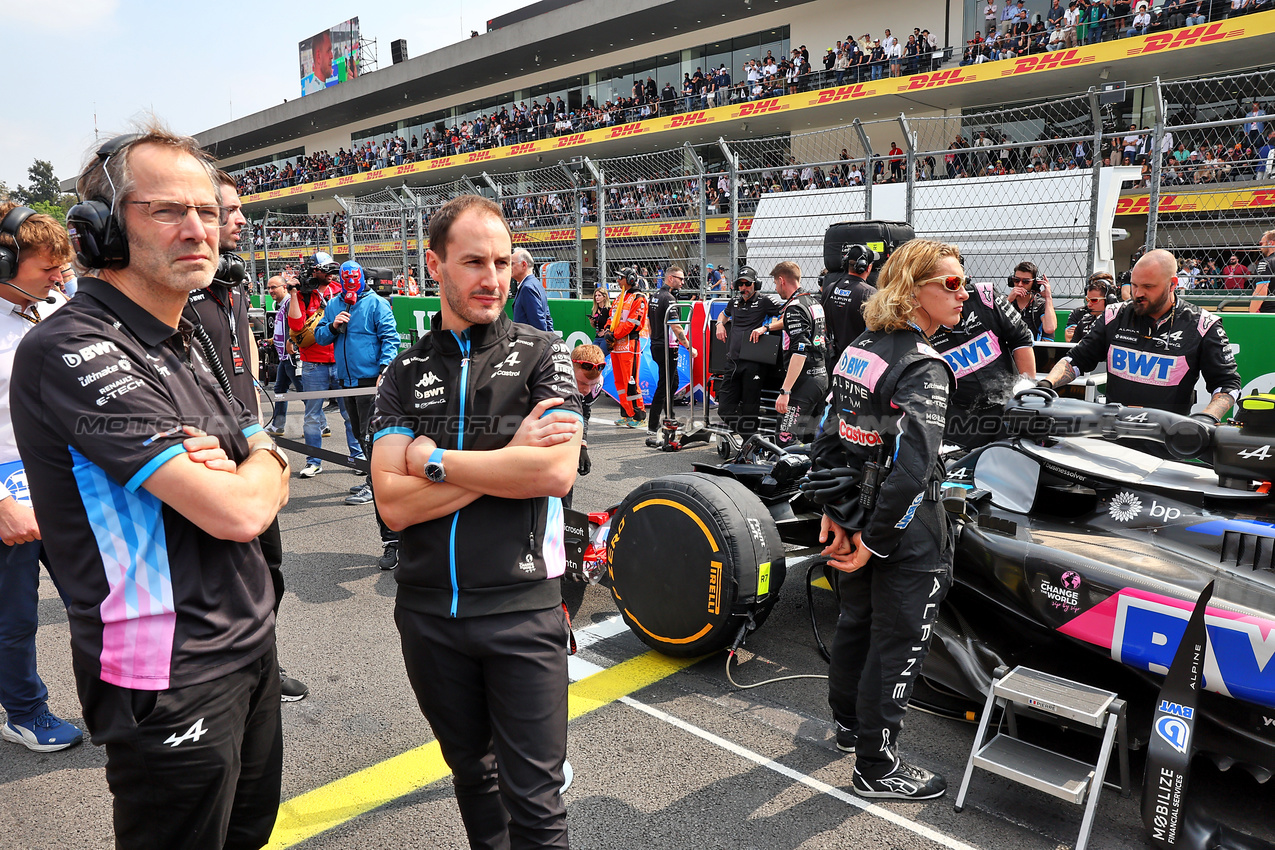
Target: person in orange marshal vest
<point x="628" y="317"/>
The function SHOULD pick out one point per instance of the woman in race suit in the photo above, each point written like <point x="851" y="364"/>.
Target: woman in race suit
<point x="877" y="474"/>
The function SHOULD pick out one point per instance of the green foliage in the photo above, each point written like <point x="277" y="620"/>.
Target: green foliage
<point x="44" y="185"/>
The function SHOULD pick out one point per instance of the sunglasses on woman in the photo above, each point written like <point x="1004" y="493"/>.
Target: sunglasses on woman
<point x="587" y="366"/>
<point x="952" y="283"/>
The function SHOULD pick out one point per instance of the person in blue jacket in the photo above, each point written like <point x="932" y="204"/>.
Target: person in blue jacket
<point x="531" y="306"/>
<point x="360" y="327"/>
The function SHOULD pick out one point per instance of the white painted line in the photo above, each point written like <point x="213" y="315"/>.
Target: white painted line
<point x="601" y="630"/>
<point x="578" y="668"/>
<point x="822" y="787"/>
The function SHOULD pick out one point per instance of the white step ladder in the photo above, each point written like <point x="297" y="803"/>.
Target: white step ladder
<point x="1060" y="701"/>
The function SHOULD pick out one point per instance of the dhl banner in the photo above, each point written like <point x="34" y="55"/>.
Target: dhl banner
<point x="1249" y="26"/>
<point x="651" y="230"/>
<point x="1198" y="200"/>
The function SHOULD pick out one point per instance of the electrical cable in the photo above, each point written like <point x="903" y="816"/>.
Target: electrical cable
<point x="214" y="361"/>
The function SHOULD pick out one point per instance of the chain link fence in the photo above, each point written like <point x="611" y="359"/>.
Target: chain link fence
<point x="1024" y="183"/>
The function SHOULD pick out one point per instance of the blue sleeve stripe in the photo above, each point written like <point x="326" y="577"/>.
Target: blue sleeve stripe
<point x="252" y="429"/>
<point x="153" y="464"/>
<point x="576" y="414"/>
<point x="385" y="432"/>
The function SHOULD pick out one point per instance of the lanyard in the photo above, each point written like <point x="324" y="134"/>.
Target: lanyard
<point x="236" y="353"/>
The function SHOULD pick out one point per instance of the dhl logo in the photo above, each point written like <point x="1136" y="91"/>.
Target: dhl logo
<point x="322" y="184"/>
<point x="577" y="139"/>
<point x="620" y="231"/>
<point x="561" y="235"/>
<point x="406" y="168"/>
<point x="479" y="156"/>
<point x="1259" y="198"/>
<point x="1141" y="204"/>
<point x="688" y="120"/>
<point x="346" y="180"/>
<point x="626" y="130"/>
<point x="678" y="227"/>
<point x="1186" y="37"/>
<point x="938" y="78"/>
<point x="525" y="147"/>
<point x="441" y="162"/>
<point x="274" y="193"/>
<point x="761" y="107"/>
<point x="1047" y="61"/>
<point x="746" y="224"/>
<point x="520" y="238"/>
<point x="842" y="93"/>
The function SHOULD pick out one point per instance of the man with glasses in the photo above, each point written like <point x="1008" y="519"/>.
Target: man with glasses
<point x="665" y="337"/>
<point x="172" y="627"/>
<point x="1029" y="294"/>
<point x="1263" y="271"/>
<point x="987" y="349"/>
<point x="1099" y="293"/>
<point x="739" y="394"/>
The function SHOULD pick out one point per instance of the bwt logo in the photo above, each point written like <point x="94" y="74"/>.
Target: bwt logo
<point x="938" y="78"/>
<point x="525" y="147"/>
<point x="843" y="93"/>
<point x="479" y="156"/>
<point x="1177" y="710"/>
<point x="626" y="130"/>
<point x="1186" y="37"/>
<point x="577" y="139"/>
<point x="761" y="107"/>
<point x="1047" y="61"/>
<point x="971" y="356"/>
<point x="679" y="227"/>
<point x="1140" y="366"/>
<point x="688" y="120"/>
<point x="88" y="353"/>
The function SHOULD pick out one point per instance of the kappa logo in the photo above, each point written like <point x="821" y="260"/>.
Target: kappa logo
<point x="88" y="352"/>
<point x="842" y="93"/>
<point x="428" y="380"/>
<point x="194" y="733"/>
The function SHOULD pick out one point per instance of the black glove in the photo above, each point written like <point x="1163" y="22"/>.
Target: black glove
<point x="1207" y="418"/>
<point x="585" y="464"/>
<point x="830" y="485"/>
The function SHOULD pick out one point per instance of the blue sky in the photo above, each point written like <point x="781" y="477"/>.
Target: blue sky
<point x="194" y="65"/>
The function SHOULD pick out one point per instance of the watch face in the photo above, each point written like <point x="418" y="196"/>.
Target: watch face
<point x="434" y="472"/>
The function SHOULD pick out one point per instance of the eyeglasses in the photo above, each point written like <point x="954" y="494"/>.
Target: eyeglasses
<point x="1025" y="281"/>
<point x="172" y="212"/>
<point x="952" y="283"/>
<point x="1097" y="300"/>
<point x="588" y="366"/>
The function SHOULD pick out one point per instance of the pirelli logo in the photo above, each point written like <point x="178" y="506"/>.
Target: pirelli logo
<point x="1048" y="61"/>
<point x="715" y="587"/>
<point x="938" y="78"/>
<point x="842" y="93"/>
<point x="1186" y="37"/>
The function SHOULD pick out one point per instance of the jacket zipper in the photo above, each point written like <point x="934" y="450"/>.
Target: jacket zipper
<point x="460" y="444"/>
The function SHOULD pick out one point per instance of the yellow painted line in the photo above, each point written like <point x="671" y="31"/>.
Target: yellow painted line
<point x="317" y="811"/>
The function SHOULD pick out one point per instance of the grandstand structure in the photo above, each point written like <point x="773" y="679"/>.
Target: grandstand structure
<point x="691" y="178"/>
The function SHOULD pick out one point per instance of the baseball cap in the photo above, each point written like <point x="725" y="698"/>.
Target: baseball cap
<point x="709" y="266"/>
<point x="747" y="274"/>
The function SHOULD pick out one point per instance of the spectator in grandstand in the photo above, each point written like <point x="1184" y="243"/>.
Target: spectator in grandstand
<point x="1262" y="273"/>
<point x="306" y="302"/>
<point x="1141" y="23"/>
<point x="989" y="17"/>
<point x="1030" y="295"/>
<point x="37" y="247"/>
<point x="1235" y="274"/>
<point x="531" y="307"/>
<point x="1254" y="126"/>
<point x="1157" y="322"/>
<point x="187" y="650"/>
<point x="1197" y="12"/>
<point x="1100" y="291"/>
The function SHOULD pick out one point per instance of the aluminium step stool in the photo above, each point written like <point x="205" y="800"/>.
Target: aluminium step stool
<point x="1060" y="701"/>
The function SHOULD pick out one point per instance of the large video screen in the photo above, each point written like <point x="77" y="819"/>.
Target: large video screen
<point x="330" y="58"/>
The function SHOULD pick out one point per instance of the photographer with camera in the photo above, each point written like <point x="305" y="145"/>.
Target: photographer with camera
<point x="306" y="302"/>
<point x="1029" y="294"/>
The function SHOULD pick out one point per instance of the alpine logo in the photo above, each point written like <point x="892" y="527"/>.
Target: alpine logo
<point x="194" y="733"/>
<point x="1124" y="506"/>
<point x="509" y="367"/>
<point x="858" y="436"/>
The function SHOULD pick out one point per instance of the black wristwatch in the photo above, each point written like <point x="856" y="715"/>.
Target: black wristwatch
<point x="434" y="467"/>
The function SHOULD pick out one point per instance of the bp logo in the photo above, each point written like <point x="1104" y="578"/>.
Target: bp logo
<point x="1124" y="506"/>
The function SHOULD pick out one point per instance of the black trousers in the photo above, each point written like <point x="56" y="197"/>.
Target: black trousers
<point x="494" y="690"/>
<point x="739" y="398"/>
<point x="360" y="410"/>
<point x="882" y="637"/>
<point x="805" y="409"/>
<point x="194" y="768"/>
<point x="656" y="412"/>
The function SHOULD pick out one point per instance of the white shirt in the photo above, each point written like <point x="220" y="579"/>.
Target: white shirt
<point x="13" y="328"/>
<point x="1070" y="16"/>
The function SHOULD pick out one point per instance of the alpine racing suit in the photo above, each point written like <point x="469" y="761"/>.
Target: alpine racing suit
<point x="479" y="604"/>
<point x="890" y="396"/>
<point x="980" y="349"/>
<point x="628" y="316"/>
<point x="1157" y="363"/>
<point x="804" y="333"/>
<point x="842" y="295"/>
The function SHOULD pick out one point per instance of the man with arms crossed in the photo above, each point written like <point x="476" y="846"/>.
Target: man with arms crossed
<point x="159" y="486"/>
<point x="479" y="606"/>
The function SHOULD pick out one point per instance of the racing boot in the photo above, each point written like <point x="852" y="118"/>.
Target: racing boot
<point x="905" y="782"/>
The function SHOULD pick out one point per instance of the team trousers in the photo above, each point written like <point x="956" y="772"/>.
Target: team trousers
<point x="805" y="409"/>
<point x="882" y="637"/>
<point x="194" y="768"/>
<point x="494" y="690"/>
<point x="624" y="365"/>
<point x="739" y="396"/>
<point x="658" y="353"/>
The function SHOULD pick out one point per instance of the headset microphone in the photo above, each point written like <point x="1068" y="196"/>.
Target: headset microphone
<point x="47" y="300"/>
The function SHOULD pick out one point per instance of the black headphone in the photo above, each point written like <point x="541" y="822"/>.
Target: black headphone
<point x="630" y="275"/>
<point x="230" y="269"/>
<point x="1108" y="288"/>
<point x="95" y="232"/>
<point x="9" y="256"/>
<point x="858" y="257"/>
